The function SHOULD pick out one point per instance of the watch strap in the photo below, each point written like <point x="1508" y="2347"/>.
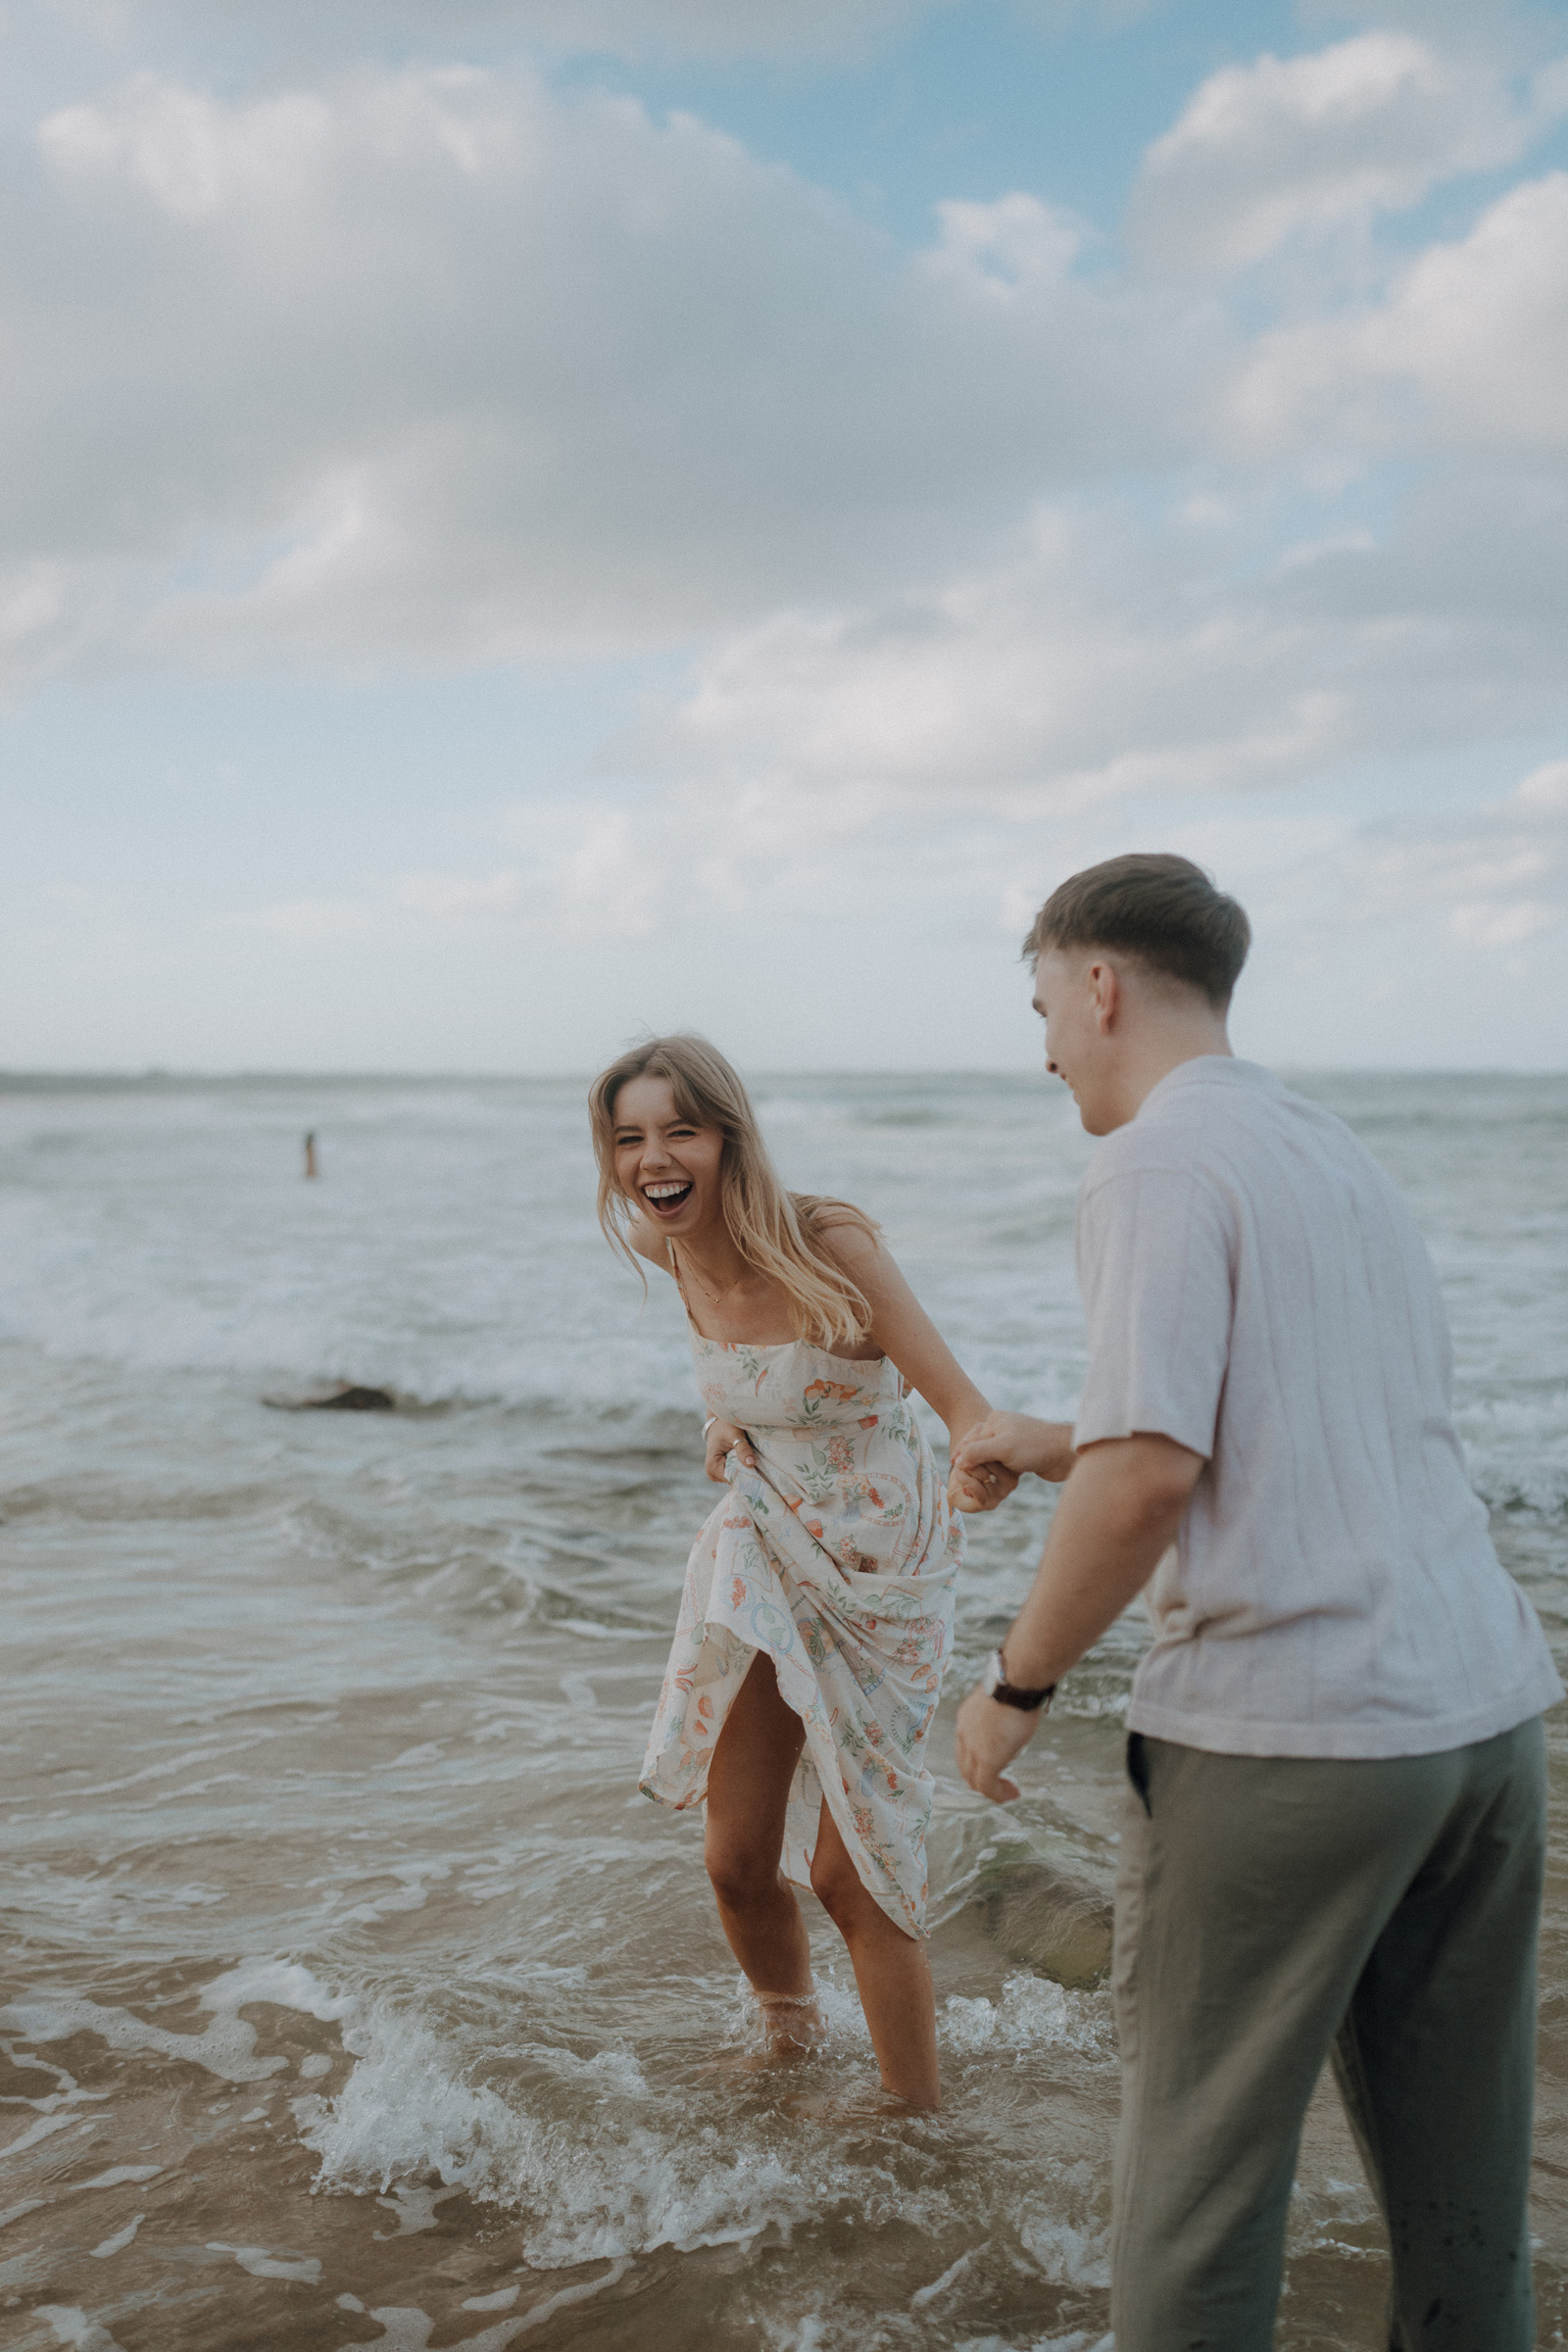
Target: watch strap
<point x="1008" y="1694"/>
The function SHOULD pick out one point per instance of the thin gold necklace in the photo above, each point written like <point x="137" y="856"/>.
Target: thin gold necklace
<point x="714" y="1297"/>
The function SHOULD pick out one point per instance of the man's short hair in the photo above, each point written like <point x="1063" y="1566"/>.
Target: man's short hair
<point x="1162" y="909"/>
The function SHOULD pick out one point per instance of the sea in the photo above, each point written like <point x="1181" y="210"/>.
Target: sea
<point x="350" y="1991"/>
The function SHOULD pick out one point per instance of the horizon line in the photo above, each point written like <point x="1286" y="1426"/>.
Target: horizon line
<point x="153" y="1075"/>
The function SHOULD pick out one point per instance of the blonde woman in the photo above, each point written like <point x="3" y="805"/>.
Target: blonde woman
<point x="817" y="1609"/>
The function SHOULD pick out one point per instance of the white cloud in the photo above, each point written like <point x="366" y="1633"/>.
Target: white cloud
<point x="702" y="866"/>
<point x="1500" y="873"/>
<point x="831" y="28"/>
<point x="441" y="364"/>
<point x="1286" y="148"/>
<point x="581" y="871"/>
<point x="1469" y="347"/>
<point x="1102" y="658"/>
<point x="979" y="555"/>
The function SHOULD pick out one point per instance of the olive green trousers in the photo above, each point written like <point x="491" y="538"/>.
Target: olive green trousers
<point x="1273" y="1912"/>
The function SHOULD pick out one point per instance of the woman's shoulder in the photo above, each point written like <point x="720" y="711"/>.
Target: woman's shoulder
<point x="645" y="1238"/>
<point x="837" y="1228"/>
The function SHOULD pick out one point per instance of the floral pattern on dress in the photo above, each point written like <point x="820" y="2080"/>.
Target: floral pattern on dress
<point x="838" y="1556"/>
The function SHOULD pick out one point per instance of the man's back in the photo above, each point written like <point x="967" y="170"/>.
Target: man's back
<point x="1257" y="1290"/>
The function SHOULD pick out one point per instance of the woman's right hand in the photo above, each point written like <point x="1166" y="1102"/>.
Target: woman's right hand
<point x="723" y="1438"/>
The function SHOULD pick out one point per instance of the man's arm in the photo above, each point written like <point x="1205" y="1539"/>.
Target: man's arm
<point x="1016" y="1442"/>
<point x="1119" y="1511"/>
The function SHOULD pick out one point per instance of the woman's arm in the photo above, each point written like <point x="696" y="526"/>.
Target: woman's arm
<point x="904" y="1331"/>
<point x="901" y="1327"/>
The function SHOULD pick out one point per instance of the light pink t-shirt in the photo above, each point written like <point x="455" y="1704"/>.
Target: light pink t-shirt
<point x="1257" y="1290"/>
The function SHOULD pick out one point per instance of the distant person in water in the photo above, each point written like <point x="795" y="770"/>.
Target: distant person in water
<point x="818" y="1611"/>
<point x="311" y="1168"/>
<point x="1332" y="1840"/>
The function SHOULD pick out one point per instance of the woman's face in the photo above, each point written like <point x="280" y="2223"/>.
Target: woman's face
<point x="664" y="1162"/>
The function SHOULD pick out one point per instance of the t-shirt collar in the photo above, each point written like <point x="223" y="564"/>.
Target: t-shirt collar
<point x="1206" y="1069"/>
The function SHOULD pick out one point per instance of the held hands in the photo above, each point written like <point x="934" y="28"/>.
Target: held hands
<point x="989" y="1737"/>
<point x="723" y="1438"/>
<point x="981" y="1488"/>
<point x="991" y="1456"/>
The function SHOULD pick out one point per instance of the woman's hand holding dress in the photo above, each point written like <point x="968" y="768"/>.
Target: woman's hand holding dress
<point x="723" y="1438"/>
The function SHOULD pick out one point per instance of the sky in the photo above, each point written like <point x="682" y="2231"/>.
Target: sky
<point x="527" y="522"/>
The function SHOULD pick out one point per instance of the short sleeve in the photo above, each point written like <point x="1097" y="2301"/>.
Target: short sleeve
<point x="1155" y="1262"/>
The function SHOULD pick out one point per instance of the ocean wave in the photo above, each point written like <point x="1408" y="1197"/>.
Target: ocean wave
<point x="589" y="2156"/>
<point x="1517" y="1450"/>
<point x="593" y="2183"/>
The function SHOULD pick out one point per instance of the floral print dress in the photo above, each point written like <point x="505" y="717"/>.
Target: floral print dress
<point x="837" y="1557"/>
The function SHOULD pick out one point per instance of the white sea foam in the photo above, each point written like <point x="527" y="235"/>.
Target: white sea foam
<point x="406" y="2113"/>
<point x="1082" y="2339"/>
<point x="616" y="2178"/>
<point x="119" y="2242"/>
<point x="1068" y="2256"/>
<point x="605" y="2180"/>
<point x="45" y="2126"/>
<point x="72" y="2327"/>
<point x="262" y="2263"/>
<point x="1033" y="2013"/>
<point x="226" y="2048"/>
<point x="1517" y="1448"/>
<point x="408" y="2329"/>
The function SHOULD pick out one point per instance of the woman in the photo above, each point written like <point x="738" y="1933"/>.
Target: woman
<point x="818" y="1604"/>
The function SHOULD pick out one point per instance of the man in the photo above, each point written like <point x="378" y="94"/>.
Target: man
<point x="1334" y="1828"/>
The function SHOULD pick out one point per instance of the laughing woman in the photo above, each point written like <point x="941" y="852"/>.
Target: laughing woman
<point x="817" y="1609"/>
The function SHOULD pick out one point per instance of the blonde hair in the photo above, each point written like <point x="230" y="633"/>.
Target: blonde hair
<point x="777" y="1232"/>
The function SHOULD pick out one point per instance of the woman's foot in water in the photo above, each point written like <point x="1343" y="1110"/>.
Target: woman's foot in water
<point x="792" y="2023"/>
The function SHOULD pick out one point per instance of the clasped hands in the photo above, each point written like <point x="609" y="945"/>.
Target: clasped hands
<point x="995" y="1452"/>
<point x="988" y="1460"/>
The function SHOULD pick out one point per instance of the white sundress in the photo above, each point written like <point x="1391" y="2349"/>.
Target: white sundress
<point x="837" y="1557"/>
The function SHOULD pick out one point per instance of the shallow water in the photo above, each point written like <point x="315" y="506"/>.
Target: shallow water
<point x="354" y="1994"/>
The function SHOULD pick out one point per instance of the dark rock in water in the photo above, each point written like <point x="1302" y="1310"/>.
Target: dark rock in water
<point x="1057" y="1925"/>
<point x="351" y="1400"/>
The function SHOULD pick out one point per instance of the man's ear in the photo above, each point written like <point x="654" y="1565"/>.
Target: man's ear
<point x="1104" y="990"/>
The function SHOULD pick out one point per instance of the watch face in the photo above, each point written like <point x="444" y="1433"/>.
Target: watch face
<point x="993" y="1675"/>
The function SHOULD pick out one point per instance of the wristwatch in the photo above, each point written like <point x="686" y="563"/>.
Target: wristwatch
<point x="996" y="1686"/>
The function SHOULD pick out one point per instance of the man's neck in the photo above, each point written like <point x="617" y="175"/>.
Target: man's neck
<point x="1162" y="1048"/>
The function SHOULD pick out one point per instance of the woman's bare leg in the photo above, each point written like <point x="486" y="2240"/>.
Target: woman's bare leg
<point x="891" y="1973"/>
<point x="748" y="1789"/>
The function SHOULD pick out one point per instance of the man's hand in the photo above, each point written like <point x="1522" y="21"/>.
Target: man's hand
<point x="1015" y="1443"/>
<point x="990" y="1735"/>
<point x="981" y="1488"/>
<point x="1120" y="1508"/>
<point x="723" y="1438"/>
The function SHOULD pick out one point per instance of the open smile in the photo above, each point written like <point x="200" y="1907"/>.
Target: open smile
<point x="668" y="1200"/>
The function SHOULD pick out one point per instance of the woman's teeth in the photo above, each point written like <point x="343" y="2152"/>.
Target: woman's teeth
<point x="666" y="1195"/>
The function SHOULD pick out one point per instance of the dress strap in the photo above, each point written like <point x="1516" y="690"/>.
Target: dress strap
<point x="674" y="1267"/>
